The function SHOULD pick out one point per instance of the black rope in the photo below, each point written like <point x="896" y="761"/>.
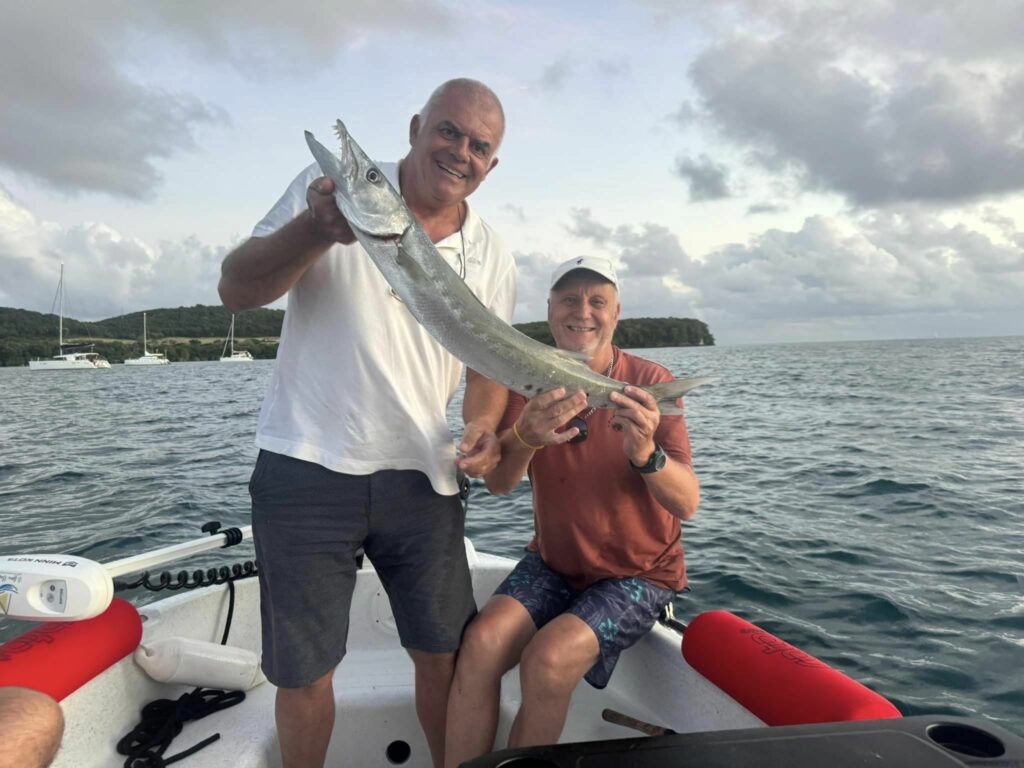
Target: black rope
<point x="163" y="719"/>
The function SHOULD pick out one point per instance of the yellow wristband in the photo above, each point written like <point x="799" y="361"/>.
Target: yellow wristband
<point x="515" y="431"/>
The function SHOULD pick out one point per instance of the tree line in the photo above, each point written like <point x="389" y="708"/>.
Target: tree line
<point x="197" y="333"/>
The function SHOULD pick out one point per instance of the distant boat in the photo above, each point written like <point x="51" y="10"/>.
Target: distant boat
<point x="241" y="356"/>
<point x="148" y="358"/>
<point x="68" y="361"/>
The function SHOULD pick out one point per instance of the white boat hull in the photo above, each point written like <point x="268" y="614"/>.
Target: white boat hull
<point x="70" y="362"/>
<point x="373" y="687"/>
<point x="151" y="358"/>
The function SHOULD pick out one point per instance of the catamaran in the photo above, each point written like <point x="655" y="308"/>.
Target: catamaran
<point x="239" y="356"/>
<point x="73" y="360"/>
<point x="148" y="358"/>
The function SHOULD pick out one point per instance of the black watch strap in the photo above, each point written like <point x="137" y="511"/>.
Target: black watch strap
<point x="655" y="463"/>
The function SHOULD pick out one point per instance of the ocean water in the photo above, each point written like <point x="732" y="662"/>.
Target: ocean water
<point x="862" y="500"/>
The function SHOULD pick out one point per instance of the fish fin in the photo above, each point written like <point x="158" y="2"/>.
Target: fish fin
<point x="668" y="392"/>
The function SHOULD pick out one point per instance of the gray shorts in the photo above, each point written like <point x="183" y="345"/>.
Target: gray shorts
<point x="309" y="522"/>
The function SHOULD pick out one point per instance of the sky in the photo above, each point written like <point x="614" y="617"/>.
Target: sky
<point x="784" y="170"/>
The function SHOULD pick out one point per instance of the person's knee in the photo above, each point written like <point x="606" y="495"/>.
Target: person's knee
<point x="484" y="645"/>
<point x="432" y="664"/>
<point x="545" y="664"/>
<point x="323" y="685"/>
<point x="34" y="724"/>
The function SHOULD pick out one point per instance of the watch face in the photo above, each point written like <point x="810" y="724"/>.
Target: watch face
<point x="656" y="462"/>
<point x="659" y="458"/>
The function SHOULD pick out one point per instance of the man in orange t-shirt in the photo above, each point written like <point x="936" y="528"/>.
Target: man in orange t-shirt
<point x="610" y="488"/>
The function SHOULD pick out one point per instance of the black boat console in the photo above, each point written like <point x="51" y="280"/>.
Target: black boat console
<point x="910" y="742"/>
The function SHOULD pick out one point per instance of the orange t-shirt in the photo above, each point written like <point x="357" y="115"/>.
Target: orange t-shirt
<point x="593" y="515"/>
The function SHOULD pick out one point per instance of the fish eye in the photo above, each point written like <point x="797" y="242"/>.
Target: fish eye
<point x="373" y="175"/>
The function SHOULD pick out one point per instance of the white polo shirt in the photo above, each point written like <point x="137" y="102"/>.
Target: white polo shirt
<point x="359" y="385"/>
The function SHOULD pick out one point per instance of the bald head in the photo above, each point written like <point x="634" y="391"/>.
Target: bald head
<point x="482" y="97"/>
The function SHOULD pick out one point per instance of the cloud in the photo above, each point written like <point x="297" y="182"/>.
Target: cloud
<point x="517" y="211"/>
<point x="533" y="281"/>
<point x="260" y="36"/>
<point x="555" y="75"/>
<point x="654" y="269"/>
<point x="759" y="208"/>
<point x="612" y="69"/>
<point x="583" y="225"/>
<point x="73" y="119"/>
<point x="107" y="273"/>
<point x="79" y="115"/>
<point x="685" y="116"/>
<point x="882" y="102"/>
<point x="898" y="263"/>
<point x="707" y="179"/>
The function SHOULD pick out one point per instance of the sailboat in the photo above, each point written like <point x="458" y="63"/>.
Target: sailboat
<point x="68" y="361"/>
<point x="148" y="358"/>
<point x="240" y="356"/>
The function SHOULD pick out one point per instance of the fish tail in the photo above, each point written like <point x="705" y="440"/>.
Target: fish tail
<point x="668" y="392"/>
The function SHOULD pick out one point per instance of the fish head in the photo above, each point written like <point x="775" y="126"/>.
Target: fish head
<point x="365" y="197"/>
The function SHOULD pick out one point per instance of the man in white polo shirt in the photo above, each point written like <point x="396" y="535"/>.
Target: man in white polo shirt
<point x="355" y="447"/>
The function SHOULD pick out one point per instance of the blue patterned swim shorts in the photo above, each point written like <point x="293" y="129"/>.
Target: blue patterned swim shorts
<point x="620" y="611"/>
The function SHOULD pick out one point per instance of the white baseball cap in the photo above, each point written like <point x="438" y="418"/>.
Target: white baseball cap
<point x="603" y="267"/>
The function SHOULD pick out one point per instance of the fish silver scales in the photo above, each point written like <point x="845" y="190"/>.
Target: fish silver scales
<point x="441" y="301"/>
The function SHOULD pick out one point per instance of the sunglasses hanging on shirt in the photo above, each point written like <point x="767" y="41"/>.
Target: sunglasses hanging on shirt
<point x="580" y="422"/>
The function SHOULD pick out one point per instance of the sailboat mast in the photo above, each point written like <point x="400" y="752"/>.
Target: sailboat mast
<point x="144" y="350"/>
<point x="232" y="335"/>
<point x="60" y="322"/>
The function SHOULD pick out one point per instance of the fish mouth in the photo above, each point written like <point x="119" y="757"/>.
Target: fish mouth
<point x="451" y="171"/>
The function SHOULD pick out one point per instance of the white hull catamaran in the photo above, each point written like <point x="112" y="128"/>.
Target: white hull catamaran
<point x="147" y="358"/>
<point x="68" y="361"/>
<point x="239" y="356"/>
<point x="735" y="696"/>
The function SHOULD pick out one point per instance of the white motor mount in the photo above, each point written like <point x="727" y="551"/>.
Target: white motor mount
<point x="71" y="588"/>
<point x="53" y="587"/>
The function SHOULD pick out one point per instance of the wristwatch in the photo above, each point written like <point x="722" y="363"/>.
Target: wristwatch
<point x="655" y="463"/>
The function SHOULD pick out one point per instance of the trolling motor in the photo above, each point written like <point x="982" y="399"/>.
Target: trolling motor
<point x="71" y="588"/>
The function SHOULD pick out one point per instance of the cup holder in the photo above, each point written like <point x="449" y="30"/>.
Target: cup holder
<point x="966" y="740"/>
<point x="398" y="752"/>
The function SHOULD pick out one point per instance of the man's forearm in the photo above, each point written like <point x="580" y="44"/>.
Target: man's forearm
<point x="263" y="269"/>
<point x="676" y="488"/>
<point x="484" y="400"/>
<point x="515" y="458"/>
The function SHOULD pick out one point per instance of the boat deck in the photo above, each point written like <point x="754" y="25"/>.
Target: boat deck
<point x="376" y="722"/>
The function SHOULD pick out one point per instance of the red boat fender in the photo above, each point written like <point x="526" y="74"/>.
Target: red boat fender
<point x="780" y="684"/>
<point x="57" y="658"/>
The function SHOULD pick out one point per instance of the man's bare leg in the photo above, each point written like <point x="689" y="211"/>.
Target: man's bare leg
<point x="491" y="646"/>
<point x="434" y="673"/>
<point x="305" y="720"/>
<point x="32" y="725"/>
<point x="553" y="663"/>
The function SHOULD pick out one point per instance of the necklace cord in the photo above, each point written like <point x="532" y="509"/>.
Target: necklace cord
<point x="587" y="413"/>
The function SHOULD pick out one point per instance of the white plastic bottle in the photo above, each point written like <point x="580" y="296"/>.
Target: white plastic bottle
<point x="194" y="662"/>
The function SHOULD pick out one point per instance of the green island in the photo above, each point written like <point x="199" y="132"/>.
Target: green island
<point x="198" y="333"/>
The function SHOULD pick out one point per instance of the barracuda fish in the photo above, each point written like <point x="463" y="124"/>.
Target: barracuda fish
<point x="442" y="302"/>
